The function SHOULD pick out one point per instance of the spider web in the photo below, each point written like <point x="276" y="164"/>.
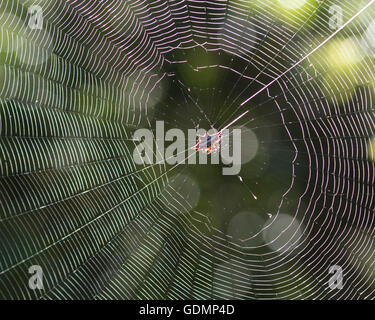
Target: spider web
<point x="101" y="227"/>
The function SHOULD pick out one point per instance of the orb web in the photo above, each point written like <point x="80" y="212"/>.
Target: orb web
<point x="298" y="77"/>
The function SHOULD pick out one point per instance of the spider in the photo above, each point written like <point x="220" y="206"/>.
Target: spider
<point x="208" y="143"/>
